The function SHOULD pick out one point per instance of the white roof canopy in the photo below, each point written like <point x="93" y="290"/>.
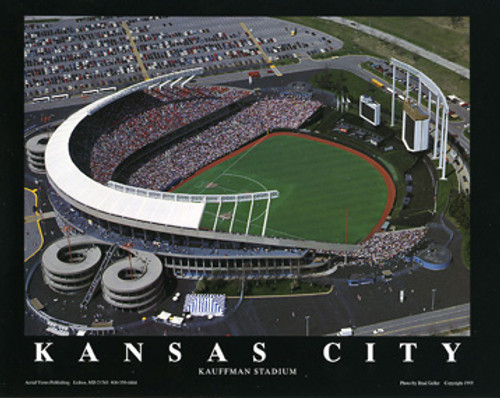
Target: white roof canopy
<point x="69" y="179"/>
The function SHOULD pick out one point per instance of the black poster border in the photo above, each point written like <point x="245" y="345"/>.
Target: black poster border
<point x="351" y="376"/>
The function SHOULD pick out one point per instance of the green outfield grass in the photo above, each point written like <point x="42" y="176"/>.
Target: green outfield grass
<point x="316" y="181"/>
<point x="445" y="36"/>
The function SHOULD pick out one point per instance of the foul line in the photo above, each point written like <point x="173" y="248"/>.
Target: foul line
<point x="234" y="163"/>
<point x="33" y="191"/>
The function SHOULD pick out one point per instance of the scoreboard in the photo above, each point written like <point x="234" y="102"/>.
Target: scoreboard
<point x="415" y="134"/>
<point x="369" y="110"/>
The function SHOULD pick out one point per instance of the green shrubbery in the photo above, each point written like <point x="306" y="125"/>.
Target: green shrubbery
<point x="460" y="209"/>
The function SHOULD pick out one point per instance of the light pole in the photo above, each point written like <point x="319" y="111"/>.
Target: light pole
<point x="433" y="299"/>
<point x="307" y="325"/>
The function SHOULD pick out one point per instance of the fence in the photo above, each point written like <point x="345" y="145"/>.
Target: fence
<point x="181" y="197"/>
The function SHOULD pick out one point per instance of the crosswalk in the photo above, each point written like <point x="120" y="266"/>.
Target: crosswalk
<point x="38" y="217"/>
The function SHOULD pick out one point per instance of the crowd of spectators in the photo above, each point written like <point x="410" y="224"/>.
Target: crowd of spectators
<point x="385" y="246"/>
<point x="184" y="158"/>
<point x="122" y="128"/>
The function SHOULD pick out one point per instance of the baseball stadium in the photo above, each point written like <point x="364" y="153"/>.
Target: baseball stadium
<point x="252" y="178"/>
<point x="175" y="179"/>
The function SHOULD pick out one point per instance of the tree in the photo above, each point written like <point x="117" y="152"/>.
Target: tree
<point x="294" y="285"/>
<point x="201" y="286"/>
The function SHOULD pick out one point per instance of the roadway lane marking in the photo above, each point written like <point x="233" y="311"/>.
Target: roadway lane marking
<point x="135" y="51"/>
<point x="264" y="55"/>
<point x="423" y="325"/>
<point x="276" y="71"/>
<point x="38" y="217"/>
<point x="33" y="191"/>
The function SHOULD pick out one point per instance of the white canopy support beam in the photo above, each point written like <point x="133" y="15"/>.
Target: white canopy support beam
<point x="233" y="216"/>
<point x="420" y="92"/>
<point x="443" y="176"/>
<point x="407" y="84"/>
<point x="249" y="216"/>
<point x="163" y="84"/>
<point x="217" y="215"/>
<point x="442" y="145"/>
<point x="436" y="131"/>
<point x="393" y="93"/>
<point x="175" y="82"/>
<point x="267" y="215"/>
<point x="187" y="81"/>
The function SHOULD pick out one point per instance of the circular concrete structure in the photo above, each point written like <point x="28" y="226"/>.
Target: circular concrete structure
<point x="35" y="153"/>
<point x="434" y="258"/>
<point x="136" y="291"/>
<point x="65" y="273"/>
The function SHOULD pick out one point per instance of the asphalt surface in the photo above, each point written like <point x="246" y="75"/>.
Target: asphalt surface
<point x="425" y="324"/>
<point x="75" y="55"/>
<point x="461" y="70"/>
<point x="32" y="238"/>
<point x="344" y="306"/>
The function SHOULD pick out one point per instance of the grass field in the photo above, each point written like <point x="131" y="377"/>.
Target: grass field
<point x="356" y="42"/>
<point x="316" y="181"/>
<point x="354" y="86"/>
<point x="445" y="36"/>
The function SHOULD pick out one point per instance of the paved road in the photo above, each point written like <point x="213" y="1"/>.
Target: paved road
<point x="349" y="63"/>
<point x="461" y="70"/>
<point x="428" y="323"/>
<point x="32" y="238"/>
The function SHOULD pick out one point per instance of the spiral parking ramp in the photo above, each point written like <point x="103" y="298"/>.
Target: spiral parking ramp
<point x="35" y="153"/>
<point x="138" y="289"/>
<point x="70" y="268"/>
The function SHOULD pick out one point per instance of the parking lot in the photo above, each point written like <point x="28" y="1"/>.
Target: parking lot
<point x="87" y="55"/>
